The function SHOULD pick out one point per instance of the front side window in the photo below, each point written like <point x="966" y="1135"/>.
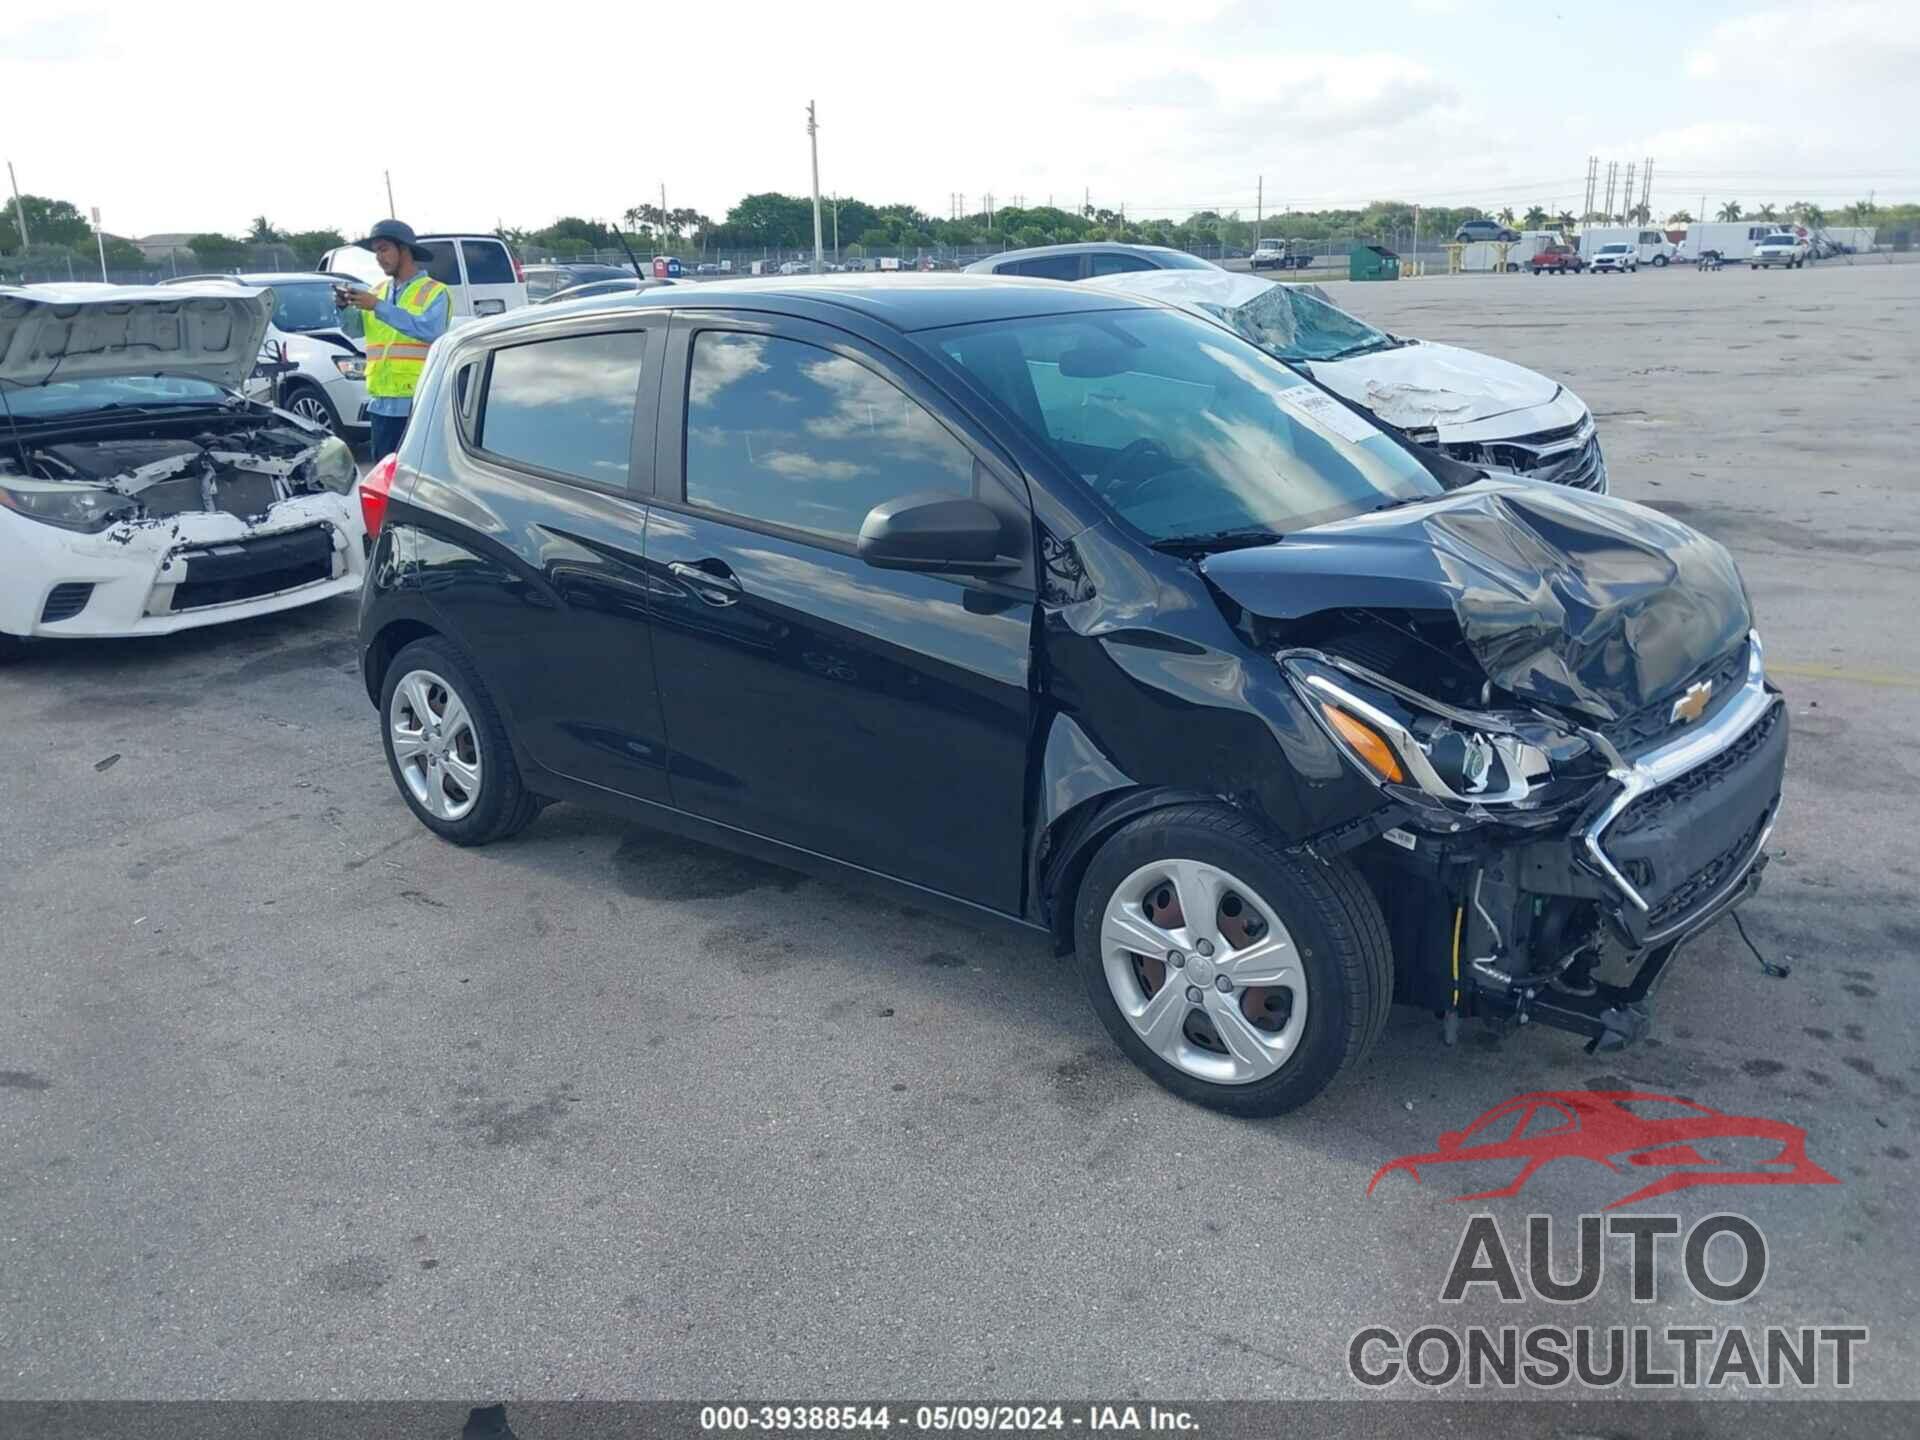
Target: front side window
<point x="488" y="263"/>
<point x="566" y="405"/>
<point x="1181" y="428"/>
<point x="445" y="264"/>
<point x="790" y="434"/>
<point x="1118" y="263"/>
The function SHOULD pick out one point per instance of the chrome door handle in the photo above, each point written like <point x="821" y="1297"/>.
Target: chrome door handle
<point x="712" y="588"/>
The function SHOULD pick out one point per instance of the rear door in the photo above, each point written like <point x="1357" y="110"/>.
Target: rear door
<point x="550" y="463"/>
<point x="493" y="281"/>
<point x="880" y="717"/>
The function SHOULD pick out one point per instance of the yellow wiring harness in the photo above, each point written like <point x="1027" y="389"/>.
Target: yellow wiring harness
<point x="1459" y="915"/>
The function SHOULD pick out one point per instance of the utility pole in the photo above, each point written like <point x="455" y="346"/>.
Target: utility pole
<point x="19" y="210"/>
<point x="663" y="207"/>
<point x="836" y="229"/>
<point x="1626" y="193"/>
<point x="1259" y="202"/>
<point x="390" y="208"/>
<point x="813" y="140"/>
<point x="1646" y="188"/>
<point x="100" y="236"/>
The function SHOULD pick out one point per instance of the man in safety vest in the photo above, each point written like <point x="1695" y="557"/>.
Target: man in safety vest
<point x="407" y="313"/>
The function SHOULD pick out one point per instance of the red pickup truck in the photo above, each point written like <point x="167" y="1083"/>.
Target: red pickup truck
<point x="1559" y="259"/>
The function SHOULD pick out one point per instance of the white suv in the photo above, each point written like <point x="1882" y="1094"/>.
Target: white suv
<point x="482" y="273"/>
<point x="327" y="381"/>
<point x="1783" y="247"/>
<point x="1624" y="258"/>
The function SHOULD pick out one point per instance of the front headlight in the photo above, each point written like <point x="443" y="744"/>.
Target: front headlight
<point x="86" y="508"/>
<point x="332" y="465"/>
<point x="351" y="367"/>
<point x="1439" y="756"/>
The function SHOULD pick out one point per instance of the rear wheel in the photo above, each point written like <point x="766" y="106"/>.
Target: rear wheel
<point x="447" y="747"/>
<point x="1235" y="975"/>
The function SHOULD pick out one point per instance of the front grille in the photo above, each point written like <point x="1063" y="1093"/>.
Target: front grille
<point x="249" y="569"/>
<point x="65" y="601"/>
<point x="1654" y="805"/>
<point x="1652" y="723"/>
<point x="1710" y="879"/>
<point x="1569" y="455"/>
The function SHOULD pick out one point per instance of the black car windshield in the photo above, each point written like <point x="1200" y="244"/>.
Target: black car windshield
<point x="300" y="308"/>
<point x="1295" y="325"/>
<point x="1181" y="428"/>
<point x="73" y="397"/>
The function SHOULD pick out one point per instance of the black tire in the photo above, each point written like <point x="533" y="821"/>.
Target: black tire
<point x="1334" y="920"/>
<point x="1659" y="262"/>
<point x="310" y="402"/>
<point x="10" y="647"/>
<point x="505" y="806"/>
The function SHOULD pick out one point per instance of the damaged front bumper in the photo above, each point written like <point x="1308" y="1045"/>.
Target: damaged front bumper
<point x="1574" y="927"/>
<point x="185" y="571"/>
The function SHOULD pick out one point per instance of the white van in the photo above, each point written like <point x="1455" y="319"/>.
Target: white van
<point x="1651" y="247"/>
<point x="482" y="273"/>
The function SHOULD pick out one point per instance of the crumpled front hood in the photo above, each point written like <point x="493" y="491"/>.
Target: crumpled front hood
<point x="210" y="331"/>
<point x="1424" y="386"/>
<point x="1577" y="601"/>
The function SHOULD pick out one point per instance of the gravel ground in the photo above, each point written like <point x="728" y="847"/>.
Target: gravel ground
<point x="297" y="1101"/>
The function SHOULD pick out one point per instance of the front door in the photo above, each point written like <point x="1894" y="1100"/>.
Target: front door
<point x="879" y="717"/>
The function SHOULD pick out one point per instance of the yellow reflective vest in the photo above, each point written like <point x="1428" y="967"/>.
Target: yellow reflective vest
<point x="394" y="358"/>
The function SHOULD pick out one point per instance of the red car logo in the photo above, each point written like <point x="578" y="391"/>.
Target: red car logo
<point x="1618" y="1128"/>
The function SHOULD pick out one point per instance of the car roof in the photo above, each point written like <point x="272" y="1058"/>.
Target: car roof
<point x="900" y="301"/>
<point x="1082" y="247"/>
<point x="261" y="277"/>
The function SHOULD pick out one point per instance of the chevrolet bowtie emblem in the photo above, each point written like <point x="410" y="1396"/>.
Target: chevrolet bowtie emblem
<point x="1692" y="705"/>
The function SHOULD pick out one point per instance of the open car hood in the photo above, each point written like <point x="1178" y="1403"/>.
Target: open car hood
<point x="211" y="331"/>
<point x="1577" y="601"/>
<point x="1424" y="386"/>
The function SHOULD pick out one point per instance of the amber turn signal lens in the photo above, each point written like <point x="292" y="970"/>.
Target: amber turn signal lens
<point x="1366" y="743"/>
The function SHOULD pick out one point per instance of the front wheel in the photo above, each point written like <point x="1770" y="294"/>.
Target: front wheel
<point x="1235" y="975"/>
<point x="1659" y="262"/>
<point x="310" y="403"/>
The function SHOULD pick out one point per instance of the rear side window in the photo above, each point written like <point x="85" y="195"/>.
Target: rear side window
<point x="1046" y="267"/>
<point x="794" y="435"/>
<point x="488" y="263"/>
<point x="566" y="405"/>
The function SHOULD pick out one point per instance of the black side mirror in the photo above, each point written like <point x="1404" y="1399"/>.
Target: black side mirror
<point x="933" y="532"/>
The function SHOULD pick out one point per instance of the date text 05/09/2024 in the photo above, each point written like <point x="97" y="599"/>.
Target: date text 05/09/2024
<point x="964" y="1419"/>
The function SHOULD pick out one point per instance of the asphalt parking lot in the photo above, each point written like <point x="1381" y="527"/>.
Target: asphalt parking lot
<point x="297" y="1101"/>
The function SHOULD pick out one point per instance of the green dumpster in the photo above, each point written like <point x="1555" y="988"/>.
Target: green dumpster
<point x="1372" y="262"/>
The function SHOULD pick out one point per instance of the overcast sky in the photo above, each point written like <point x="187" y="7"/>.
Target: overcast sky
<point x="185" y="116"/>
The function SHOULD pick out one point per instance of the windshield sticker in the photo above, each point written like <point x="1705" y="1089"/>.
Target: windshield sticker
<point x="1323" y="412"/>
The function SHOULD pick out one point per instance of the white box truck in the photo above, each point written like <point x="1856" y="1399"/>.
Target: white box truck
<point x="1734" y="239"/>
<point x="1652" y="245"/>
<point x="1485" y="254"/>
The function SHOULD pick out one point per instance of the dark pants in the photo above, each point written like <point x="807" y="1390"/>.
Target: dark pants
<point x="387" y="430"/>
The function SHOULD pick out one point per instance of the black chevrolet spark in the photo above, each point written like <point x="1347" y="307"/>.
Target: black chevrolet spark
<point x="1081" y="615"/>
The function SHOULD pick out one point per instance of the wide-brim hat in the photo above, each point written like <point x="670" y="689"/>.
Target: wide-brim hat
<point x="400" y="233"/>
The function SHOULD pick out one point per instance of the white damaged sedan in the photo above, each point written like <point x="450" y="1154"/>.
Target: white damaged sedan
<point x="1468" y="406"/>
<point x="140" y="492"/>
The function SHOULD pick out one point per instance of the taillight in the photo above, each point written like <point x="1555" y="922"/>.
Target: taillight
<point x="375" y="486"/>
<point x="519" y="271"/>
